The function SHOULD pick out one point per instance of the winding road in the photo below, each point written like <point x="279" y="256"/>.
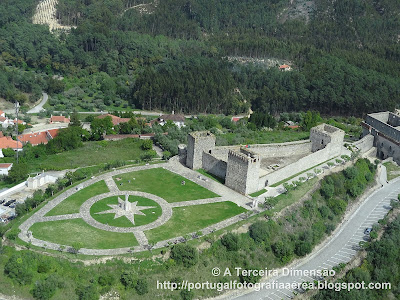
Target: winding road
<point x="38" y="108"/>
<point x="341" y="248"/>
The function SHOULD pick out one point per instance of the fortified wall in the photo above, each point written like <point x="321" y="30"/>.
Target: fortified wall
<point x="251" y="168"/>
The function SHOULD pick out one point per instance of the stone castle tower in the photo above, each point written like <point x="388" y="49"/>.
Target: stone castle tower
<point x="243" y="170"/>
<point x="198" y="142"/>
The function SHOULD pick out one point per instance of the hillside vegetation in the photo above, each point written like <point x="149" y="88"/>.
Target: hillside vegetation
<point x="344" y="54"/>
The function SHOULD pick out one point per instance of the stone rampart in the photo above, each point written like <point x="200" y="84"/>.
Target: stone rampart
<point x="214" y="165"/>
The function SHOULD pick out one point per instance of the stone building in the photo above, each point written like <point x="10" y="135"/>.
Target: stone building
<point x="385" y="128"/>
<point x="248" y="169"/>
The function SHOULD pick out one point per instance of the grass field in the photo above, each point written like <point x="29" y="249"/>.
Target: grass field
<point x="294" y="195"/>
<point x="72" y="204"/>
<point x="193" y="218"/>
<point x="213" y="177"/>
<point x="151" y="214"/>
<point x="392" y="170"/>
<point x="92" y="153"/>
<point x="164" y="184"/>
<point x="258" y="193"/>
<point x="68" y="232"/>
<point x="261" y="137"/>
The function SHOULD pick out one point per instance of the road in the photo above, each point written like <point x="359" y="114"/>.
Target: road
<point x="38" y="108"/>
<point x="341" y="247"/>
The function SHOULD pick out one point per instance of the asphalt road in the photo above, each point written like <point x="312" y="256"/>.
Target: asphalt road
<point x="38" y="108"/>
<point x="342" y="247"/>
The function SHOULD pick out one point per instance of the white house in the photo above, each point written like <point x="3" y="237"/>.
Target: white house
<point x="4" y="168"/>
<point x="177" y="119"/>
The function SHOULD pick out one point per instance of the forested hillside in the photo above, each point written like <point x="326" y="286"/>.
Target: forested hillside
<point x="172" y="55"/>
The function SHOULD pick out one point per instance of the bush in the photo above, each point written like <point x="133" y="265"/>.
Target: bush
<point x="185" y="255"/>
<point x="8" y="152"/>
<point x="141" y="286"/>
<point x="260" y="231"/>
<point x="283" y="250"/>
<point x="302" y="248"/>
<point x="146" y="145"/>
<point x="230" y="241"/>
<point x="127" y="280"/>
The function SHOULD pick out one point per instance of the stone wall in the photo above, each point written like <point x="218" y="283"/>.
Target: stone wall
<point x="386" y="148"/>
<point x="198" y="142"/>
<point x="365" y="144"/>
<point x="325" y="134"/>
<point x="301" y="165"/>
<point x="282" y="149"/>
<point x="214" y="165"/>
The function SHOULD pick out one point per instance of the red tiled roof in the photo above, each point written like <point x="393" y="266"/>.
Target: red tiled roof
<point x="114" y="119"/>
<point x="1" y="112"/>
<point x="37" y="138"/>
<point x="2" y="119"/>
<point x="60" y="119"/>
<point x="1" y="134"/>
<point x="293" y="126"/>
<point x="53" y="132"/>
<point x="8" y="142"/>
<point x="235" y="119"/>
<point x="5" y="166"/>
<point x="284" y="67"/>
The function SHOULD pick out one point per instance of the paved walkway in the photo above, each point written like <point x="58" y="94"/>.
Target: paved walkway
<point x="174" y="166"/>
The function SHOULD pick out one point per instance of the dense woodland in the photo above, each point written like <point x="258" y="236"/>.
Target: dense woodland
<point x="345" y="58"/>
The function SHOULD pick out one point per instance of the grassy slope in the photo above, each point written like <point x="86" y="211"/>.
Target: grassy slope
<point x="72" y="204"/>
<point x="393" y="171"/>
<point x="164" y="184"/>
<point x="151" y="214"/>
<point x="92" y="153"/>
<point x="192" y="218"/>
<point x="65" y="232"/>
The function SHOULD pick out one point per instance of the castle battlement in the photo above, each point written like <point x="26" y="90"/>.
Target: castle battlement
<point x="241" y="167"/>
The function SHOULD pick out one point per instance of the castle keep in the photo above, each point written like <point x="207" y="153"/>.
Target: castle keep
<point x="248" y="169"/>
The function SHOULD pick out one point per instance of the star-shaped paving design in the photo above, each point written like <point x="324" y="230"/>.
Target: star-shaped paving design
<point x="126" y="208"/>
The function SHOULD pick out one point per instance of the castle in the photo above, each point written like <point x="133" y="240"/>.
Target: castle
<point x="248" y="169"/>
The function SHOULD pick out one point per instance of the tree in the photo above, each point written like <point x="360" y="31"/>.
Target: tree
<point x="146" y="145"/>
<point x="99" y="127"/>
<point x="127" y="280"/>
<point x="141" y="286"/>
<point x="185" y="254"/>
<point x="75" y="121"/>
<point x="230" y="241"/>
<point x="8" y="152"/>
<point x="18" y="173"/>
<point x="260" y="231"/>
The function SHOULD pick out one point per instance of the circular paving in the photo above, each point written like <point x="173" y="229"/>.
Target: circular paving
<point x="88" y="218"/>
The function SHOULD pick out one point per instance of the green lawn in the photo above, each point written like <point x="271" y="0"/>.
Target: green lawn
<point x="255" y="194"/>
<point x="68" y="232"/>
<point x="164" y="184"/>
<point x="261" y="137"/>
<point x="151" y="214"/>
<point x="294" y="195"/>
<point x="92" y="153"/>
<point x="392" y="170"/>
<point x="193" y="218"/>
<point x="72" y="204"/>
<point x="212" y="176"/>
